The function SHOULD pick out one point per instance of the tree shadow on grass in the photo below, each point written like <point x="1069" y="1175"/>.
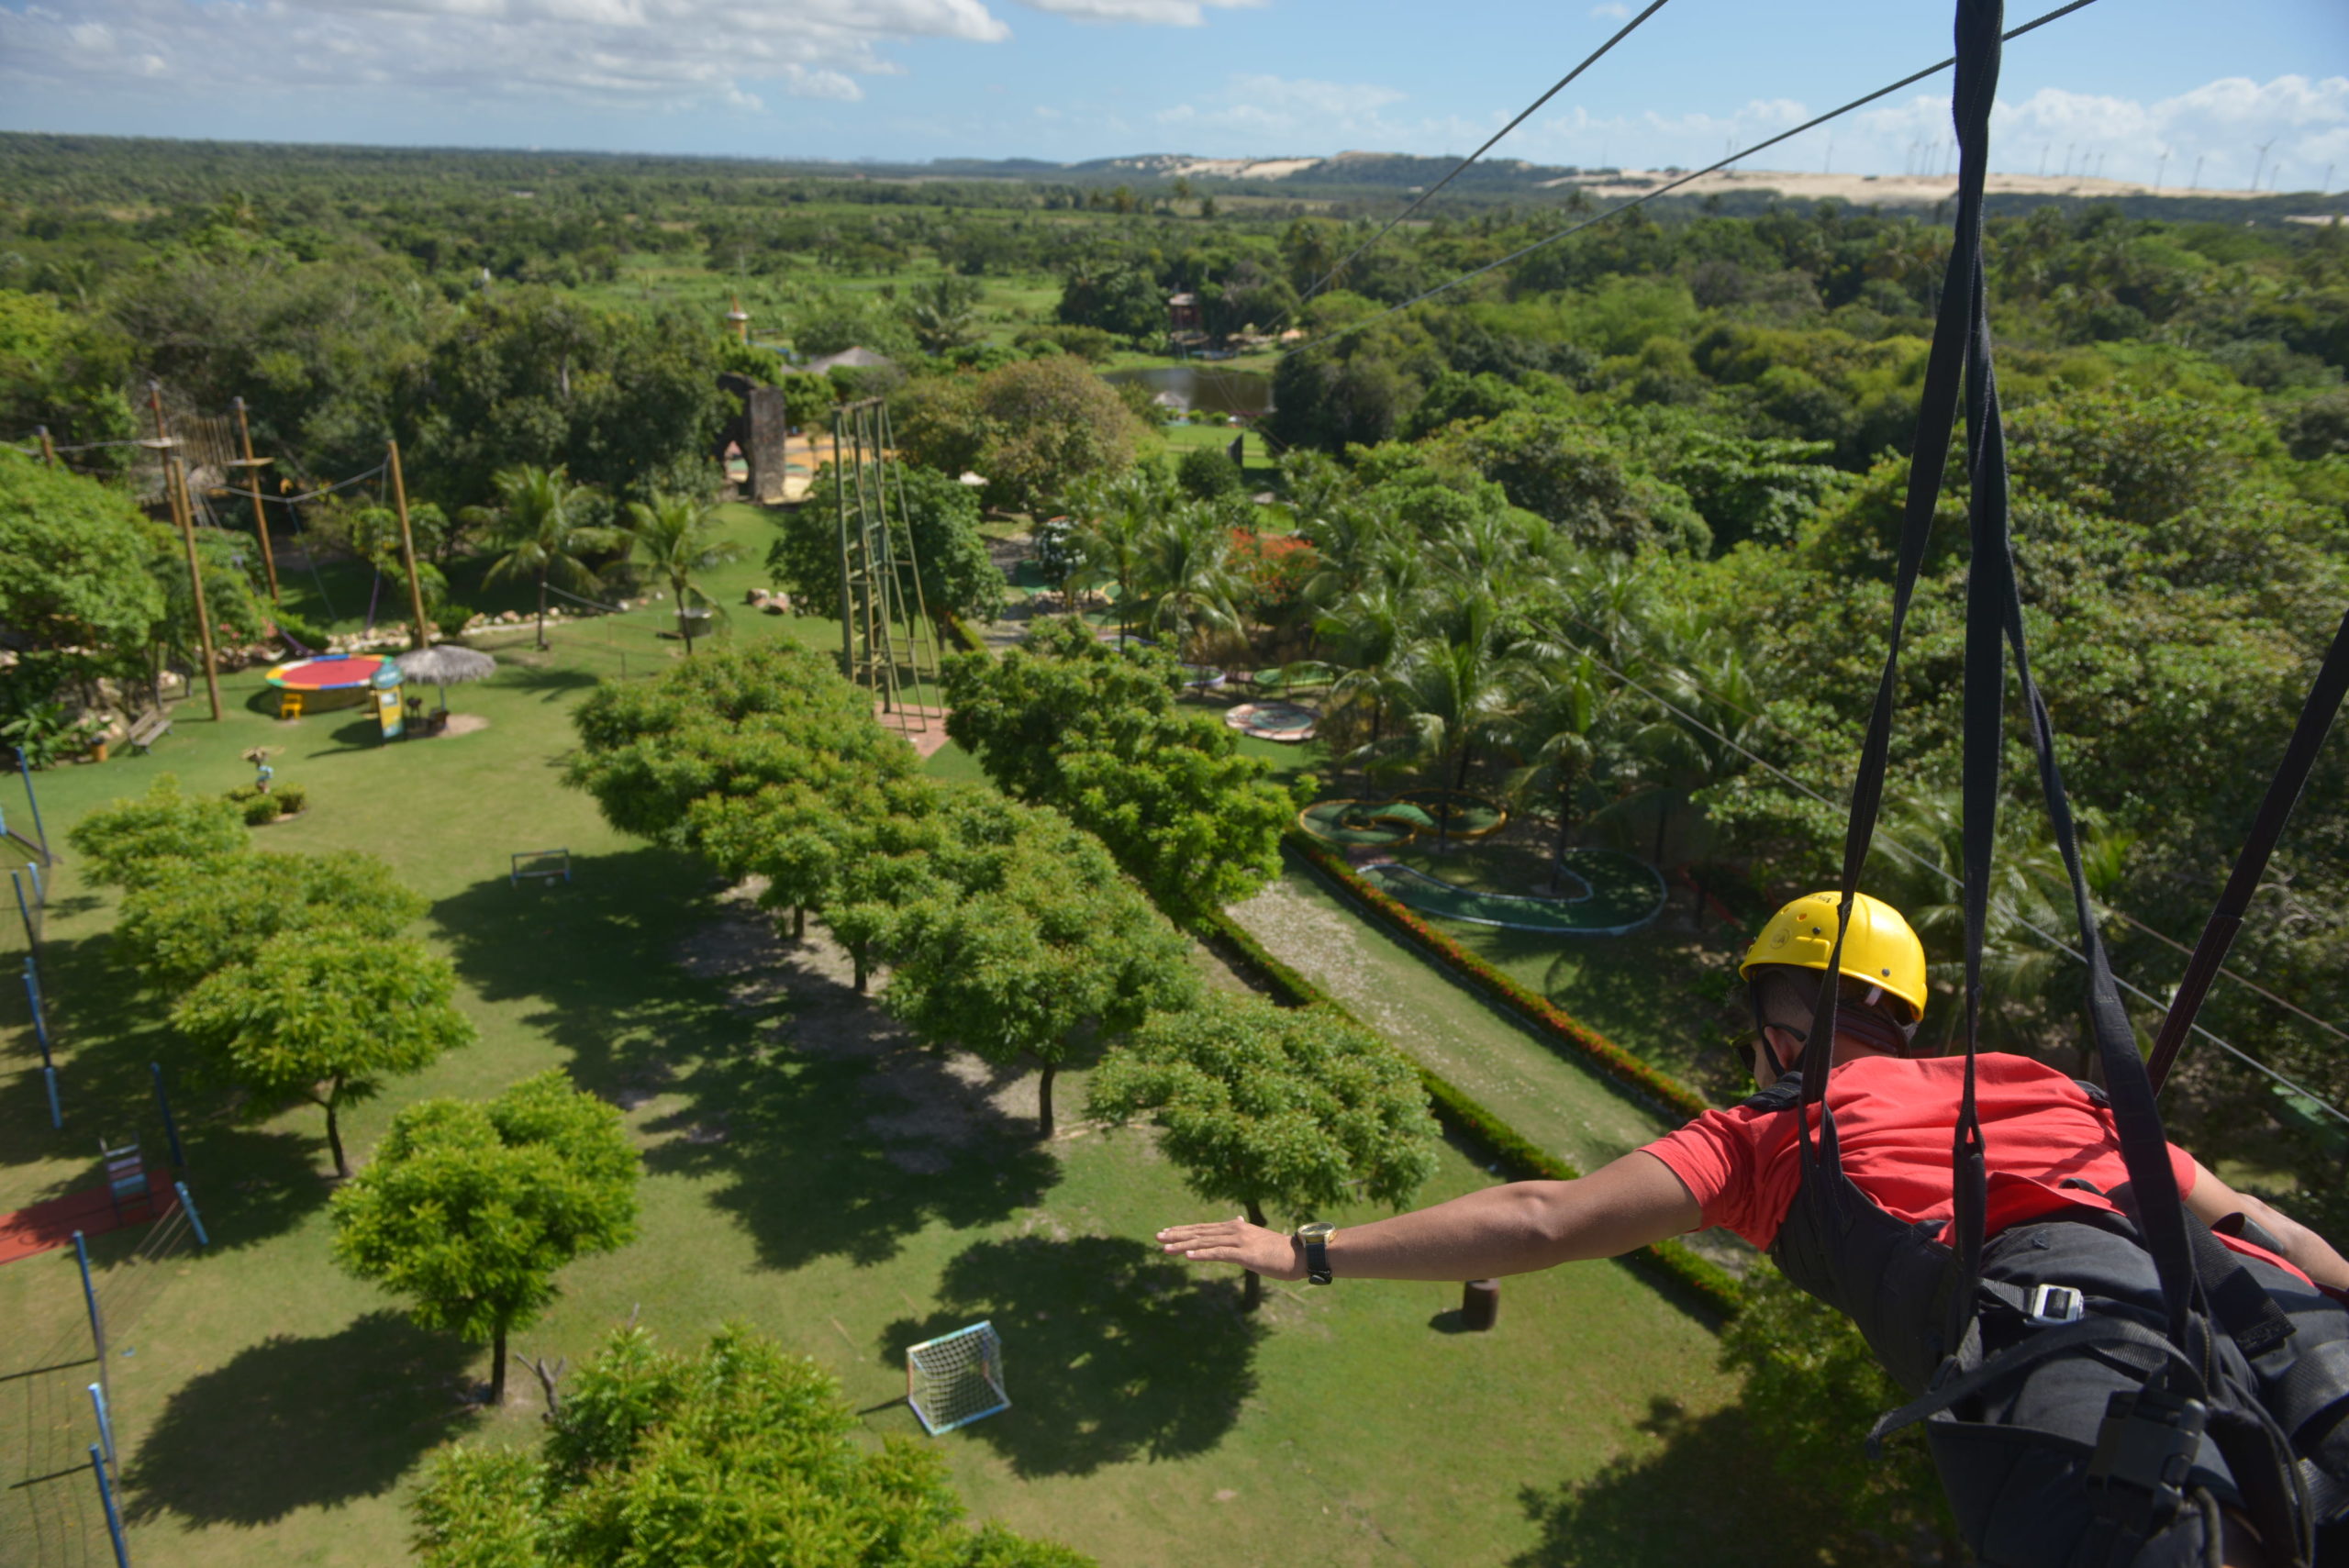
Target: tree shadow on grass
<point x="551" y="683"/>
<point x="781" y="1067"/>
<point x="293" y="1423"/>
<point x="1708" y="1495"/>
<point x="1110" y="1350"/>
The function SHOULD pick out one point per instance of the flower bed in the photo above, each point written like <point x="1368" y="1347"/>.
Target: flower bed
<point x="1539" y="1011"/>
<point x="1472" y="1123"/>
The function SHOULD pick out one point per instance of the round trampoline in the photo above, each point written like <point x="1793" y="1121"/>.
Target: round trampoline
<point x="335" y="673"/>
<point x="1284" y="721"/>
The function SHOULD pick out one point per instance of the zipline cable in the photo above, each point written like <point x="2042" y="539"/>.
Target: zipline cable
<point x="1922" y="862"/>
<point x="2119" y="914"/>
<point x="1641" y="200"/>
<point x="1429" y="195"/>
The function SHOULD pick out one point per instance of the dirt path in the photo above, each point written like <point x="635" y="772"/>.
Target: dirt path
<point x="1558" y="1105"/>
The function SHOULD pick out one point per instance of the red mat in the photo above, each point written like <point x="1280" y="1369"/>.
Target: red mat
<point x="45" y="1227"/>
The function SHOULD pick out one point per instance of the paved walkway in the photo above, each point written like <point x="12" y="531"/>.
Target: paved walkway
<point x="45" y="1227"/>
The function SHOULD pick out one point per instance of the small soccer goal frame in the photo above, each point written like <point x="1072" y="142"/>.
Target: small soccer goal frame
<point x="956" y="1378"/>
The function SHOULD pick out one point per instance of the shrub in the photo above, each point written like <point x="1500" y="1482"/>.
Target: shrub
<point x="261" y="809"/>
<point x="450" y="617"/>
<point x="299" y="633"/>
<point x="126" y="839"/>
<point x="1207" y="473"/>
<point x="292" y="797"/>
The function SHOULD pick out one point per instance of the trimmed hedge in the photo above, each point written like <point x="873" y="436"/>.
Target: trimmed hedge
<point x="1535" y="1009"/>
<point x="1471" y="1122"/>
<point x="959" y="630"/>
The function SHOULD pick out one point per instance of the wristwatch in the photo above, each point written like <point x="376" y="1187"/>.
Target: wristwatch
<point x="1315" y="1238"/>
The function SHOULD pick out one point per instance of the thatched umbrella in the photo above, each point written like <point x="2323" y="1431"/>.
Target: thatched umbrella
<point x="445" y="664"/>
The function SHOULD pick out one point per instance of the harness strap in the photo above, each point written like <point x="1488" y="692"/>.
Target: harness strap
<point x="2017" y="1358"/>
<point x="2316" y="1388"/>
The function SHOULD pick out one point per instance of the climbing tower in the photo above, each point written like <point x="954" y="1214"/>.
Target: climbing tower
<point x="887" y="643"/>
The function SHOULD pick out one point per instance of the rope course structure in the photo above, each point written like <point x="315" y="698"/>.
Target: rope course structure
<point x="889" y="644"/>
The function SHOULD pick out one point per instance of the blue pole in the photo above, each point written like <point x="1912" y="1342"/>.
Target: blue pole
<point x="106" y="1424"/>
<point x="40" y="1024"/>
<point x="90" y="1299"/>
<point x="170" y="1127"/>
<point x="23" y="910"/>
<point x="56" y="1116"/>
<point x="194" y="1218"/>
<point x="41" y="887"/>
<point x="113" y="1519"/>
<point x="34" y="801"/>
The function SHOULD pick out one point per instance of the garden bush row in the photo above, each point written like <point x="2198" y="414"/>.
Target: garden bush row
<point x="1547" y="1019"/>
<point x="1501" y="1144"/>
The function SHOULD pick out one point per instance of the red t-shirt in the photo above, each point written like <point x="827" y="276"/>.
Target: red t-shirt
<point x="1894" y="1119"/>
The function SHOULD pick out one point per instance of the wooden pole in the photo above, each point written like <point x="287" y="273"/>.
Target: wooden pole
<point x="48" y="446"/>
<point x="252" y="486"/>
<point x="407" y="548"/>
<point x="183" y="509"/>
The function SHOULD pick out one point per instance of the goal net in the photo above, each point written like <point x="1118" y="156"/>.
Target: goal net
<point x="956" y="1378"/>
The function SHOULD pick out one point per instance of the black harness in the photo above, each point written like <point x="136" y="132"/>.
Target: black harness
<point x="2095" y="1389"/>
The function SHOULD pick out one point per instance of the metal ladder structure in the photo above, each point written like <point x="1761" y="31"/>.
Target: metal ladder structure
<point x="889" y="644"/>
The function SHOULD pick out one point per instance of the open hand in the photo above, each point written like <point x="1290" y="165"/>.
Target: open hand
<point x="1268" y="1253"/>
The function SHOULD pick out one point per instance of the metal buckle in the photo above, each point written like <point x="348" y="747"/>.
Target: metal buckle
<point x="2144" y="1452"/>
<point x="2054" y="1304"/>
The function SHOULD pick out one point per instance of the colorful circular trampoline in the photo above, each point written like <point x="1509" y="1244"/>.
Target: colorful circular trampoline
<point x="1284" y="721"/>
<point x="335" y="673"/>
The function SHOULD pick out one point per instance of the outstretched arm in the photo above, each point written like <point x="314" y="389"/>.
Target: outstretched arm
<point x="2212" y="1200"/>
<point x="1510" y="1230"/>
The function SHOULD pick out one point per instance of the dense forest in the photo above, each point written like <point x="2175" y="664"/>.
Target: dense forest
<point x="1601" y="529"/>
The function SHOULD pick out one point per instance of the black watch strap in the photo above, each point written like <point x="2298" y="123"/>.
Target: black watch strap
<point x="1316" y="1238"/>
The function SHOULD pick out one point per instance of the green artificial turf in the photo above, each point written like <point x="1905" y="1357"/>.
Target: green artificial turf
<point x="272" y="1410"/>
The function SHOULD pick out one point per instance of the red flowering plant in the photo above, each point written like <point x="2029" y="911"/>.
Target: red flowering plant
<point x="1272" y="570"/>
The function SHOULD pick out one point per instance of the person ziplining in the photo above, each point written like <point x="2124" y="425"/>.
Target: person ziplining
<point x="2118" y="1360"/>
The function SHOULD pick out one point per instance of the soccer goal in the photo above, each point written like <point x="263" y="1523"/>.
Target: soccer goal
<point x="956" y="1378"/>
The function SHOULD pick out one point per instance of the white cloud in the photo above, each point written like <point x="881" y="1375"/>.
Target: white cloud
<point x="621" y="53"/>
<point x="1610" y="13"/>
<point x="2219" y="126"/>
<point x="1158" y="13"/>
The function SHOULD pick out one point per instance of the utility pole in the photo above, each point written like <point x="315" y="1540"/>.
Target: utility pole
<point x="252" y="486"/>
<point x="407" y="548"/>
<point x="2158" y="168"/>
<point x="183" y="508"/>
<point x="49" y="448"/>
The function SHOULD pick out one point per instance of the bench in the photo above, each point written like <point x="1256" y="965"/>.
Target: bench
<point x="150" y="729"/>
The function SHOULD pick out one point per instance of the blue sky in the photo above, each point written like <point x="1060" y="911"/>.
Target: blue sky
<point x="2124" y="81"/>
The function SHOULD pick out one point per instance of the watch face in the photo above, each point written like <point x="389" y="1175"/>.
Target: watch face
<point x="1319" y="1231"/>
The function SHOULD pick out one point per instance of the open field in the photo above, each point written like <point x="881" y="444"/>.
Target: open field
<point x="808" y="1171"/>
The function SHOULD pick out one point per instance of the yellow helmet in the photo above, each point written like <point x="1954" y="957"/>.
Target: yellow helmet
<point x="1881" y="950"/>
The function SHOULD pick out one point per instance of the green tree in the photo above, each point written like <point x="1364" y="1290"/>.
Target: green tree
<point x="1095" y="733"/>
<point x="1117" y="516"/>
<point x="1274" y="1107"/>
<point x="677" y="538"/>
<point x="189" y="918"/>
<point x="943" y="314"/>
<point x="1030" y="940"/>
<point x="126" y="842"/>
<point x="737" y="1456"/>
<point x="74" y="591"/>
<point x="1047" y="423"/>
<point x="323" y="1016"/>
<point x="547" y="533"/>
<point x="469" y="1210"/>
<point x="1207" y="473"/>
<point x="65" y="373"/>
<point x="1186" y="571"/>
<point x="937" y="517"/>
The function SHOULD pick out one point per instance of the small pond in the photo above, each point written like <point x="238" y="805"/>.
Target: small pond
<point x="1206" y="388"/>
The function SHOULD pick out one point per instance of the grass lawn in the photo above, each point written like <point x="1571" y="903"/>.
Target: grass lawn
<point x="806" y="1171"/>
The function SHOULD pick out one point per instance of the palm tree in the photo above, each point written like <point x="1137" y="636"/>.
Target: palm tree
<point x="1564" y="707"/>
<point x="1185" y="567"/>
<point x="543" y="509"/>
<point x="1119" y="515"/>
<point x="677" y="537"/>
<point x="1457" y="688"/>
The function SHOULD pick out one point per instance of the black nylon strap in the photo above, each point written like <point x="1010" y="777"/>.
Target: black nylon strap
<point x="2283" y="794"/>
<point x="2014" y="1358"/>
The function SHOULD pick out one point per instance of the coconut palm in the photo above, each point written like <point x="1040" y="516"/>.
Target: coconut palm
<point x="1563" y="706"/>
<point x="544" y="513"/>
<point x="677" y="537"/>
<point x="1185" y="567"/>
<point x="1457" y="689"/>
<point x="1119" y="515"/>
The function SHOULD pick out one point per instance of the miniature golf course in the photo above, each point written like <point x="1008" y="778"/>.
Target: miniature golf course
<point x="1619" y="895"/>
